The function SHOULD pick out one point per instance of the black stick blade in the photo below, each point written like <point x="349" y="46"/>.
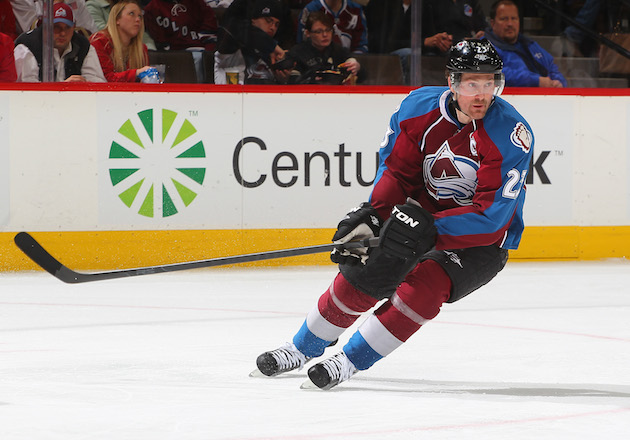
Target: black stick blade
<point x="37" y="253"/>
<point x="43" y="259"/>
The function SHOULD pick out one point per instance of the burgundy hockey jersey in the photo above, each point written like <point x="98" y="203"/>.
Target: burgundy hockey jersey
<point x="178" y="25"/>
<point x="470" y="177"/>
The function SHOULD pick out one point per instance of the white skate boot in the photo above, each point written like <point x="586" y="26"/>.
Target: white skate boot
<point x="281" y="360"/>
<point x="331" y="372"/>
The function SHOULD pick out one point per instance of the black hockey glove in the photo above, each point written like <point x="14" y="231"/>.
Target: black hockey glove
<point x="362" y="222"/>
<point x="409" y="232"/>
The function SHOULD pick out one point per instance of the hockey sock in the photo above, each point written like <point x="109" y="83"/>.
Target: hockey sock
<point x="415" y="303"/>
<point x="337" y="309"/>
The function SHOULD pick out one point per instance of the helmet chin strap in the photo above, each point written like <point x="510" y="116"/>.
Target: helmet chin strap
<point x="457" y="107"/>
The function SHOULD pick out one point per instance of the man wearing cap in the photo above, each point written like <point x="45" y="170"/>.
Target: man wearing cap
<point x="74" y="59"/>
<point x="253" y="42"/>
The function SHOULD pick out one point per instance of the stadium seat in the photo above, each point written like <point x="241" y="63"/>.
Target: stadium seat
<point x="180" y="66"/>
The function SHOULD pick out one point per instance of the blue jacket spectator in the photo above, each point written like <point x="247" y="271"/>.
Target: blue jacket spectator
<point x="525" y="63"/>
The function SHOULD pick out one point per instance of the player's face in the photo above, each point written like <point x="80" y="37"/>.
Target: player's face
<point x="505" y="24"/>
<point x="320" y="35"/>
<point x="268" y="25"/>
<point x="62" y="34"/>
<point x="474" y="94"/>
<point x="129" y="21"/>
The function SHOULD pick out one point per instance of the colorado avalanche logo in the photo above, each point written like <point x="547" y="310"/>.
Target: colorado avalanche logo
<point x="521" y="137"/>
<point x="449" y="176"/>
<point x="177" y="8"/>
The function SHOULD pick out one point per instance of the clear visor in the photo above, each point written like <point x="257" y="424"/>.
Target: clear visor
<point x="472" y="86"/>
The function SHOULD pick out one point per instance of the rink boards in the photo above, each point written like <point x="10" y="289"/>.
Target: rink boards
<point x="119" y="176"/>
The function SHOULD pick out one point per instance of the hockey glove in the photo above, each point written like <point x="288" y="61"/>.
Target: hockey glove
<point x="362" y="222"/>
<point x="409" y="232"/>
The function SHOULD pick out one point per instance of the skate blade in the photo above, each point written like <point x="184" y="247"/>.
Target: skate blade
<point x="256" y="373"/>
<point x="308" y="385"/>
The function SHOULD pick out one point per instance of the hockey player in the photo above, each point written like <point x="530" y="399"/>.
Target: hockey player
<point x="450" y="187"/>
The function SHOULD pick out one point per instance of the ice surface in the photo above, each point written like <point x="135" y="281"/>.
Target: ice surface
<point x="542" y="352"/>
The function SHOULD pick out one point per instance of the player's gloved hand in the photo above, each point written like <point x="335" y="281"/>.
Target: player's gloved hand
<point x="409" y="232"/>
<point x="362" y="222"/>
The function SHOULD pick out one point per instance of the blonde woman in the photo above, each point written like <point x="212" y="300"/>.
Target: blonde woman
<point x="119" y="46"/>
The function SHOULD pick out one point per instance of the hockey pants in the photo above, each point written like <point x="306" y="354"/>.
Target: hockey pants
<point x="417" y="300"/>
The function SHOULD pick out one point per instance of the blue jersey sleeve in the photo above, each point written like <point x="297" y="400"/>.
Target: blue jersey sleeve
<point x="496" y="213"/>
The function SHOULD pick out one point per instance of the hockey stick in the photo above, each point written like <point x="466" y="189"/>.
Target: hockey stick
<point x="50" y="264"/>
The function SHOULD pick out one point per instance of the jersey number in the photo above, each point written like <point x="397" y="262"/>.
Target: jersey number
<point x="514" y="184"/>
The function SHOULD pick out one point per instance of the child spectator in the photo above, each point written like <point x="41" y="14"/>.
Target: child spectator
<point x="350" y="24"/>
<point x="319" y="60"/>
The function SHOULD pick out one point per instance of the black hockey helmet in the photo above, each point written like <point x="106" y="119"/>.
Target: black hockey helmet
<point x="475" y="56"/>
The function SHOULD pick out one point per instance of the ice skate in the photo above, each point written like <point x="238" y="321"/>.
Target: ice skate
<point x="281" y="360"/>
<point x="331" y="372"/>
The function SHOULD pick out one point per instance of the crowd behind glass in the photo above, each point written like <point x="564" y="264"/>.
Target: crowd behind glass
<point x="338" y="42"/>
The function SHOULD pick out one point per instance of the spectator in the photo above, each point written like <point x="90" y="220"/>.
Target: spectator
<point x="74" y="59"/>
<point x="249" y="47"/>
<point x="319" y="53"/>
<point x="181" y="24"/>
<point x="29" y="12"/>
<point x="445" y="21"/>
<point x="350" y="24"/>
<point x="526" y="64"/>
<point x="7" y="62"/>
<point x="389" y="22"/>
<point x="581" y="44"/>
<point x="99" y="10"/>
<point x="83" y="18"/>
<point x="25" y="12"/>
<point x="119" y="46"/>
<point x="242" y="10"/>
<point x="7" y="19"/>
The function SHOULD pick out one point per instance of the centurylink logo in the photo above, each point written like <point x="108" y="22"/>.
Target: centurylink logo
<point x="157" y="165"/>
